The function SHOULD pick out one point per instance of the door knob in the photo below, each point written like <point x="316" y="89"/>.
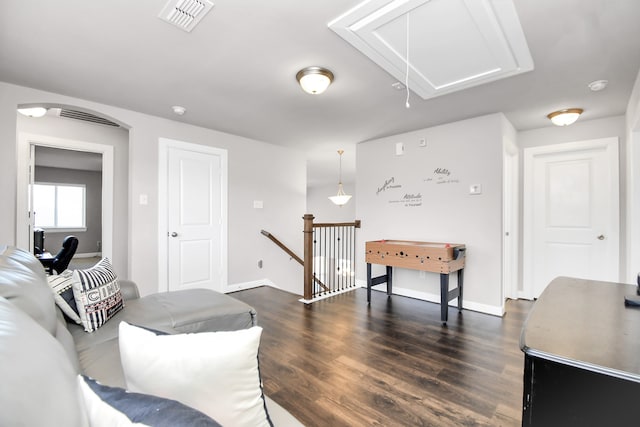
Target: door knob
<point x="174" y="234"/>
<point x="601" y="237"/>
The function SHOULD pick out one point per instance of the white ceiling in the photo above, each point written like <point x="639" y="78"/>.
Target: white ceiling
<point x="235" y="72"/>
<point x="68" y="159"/>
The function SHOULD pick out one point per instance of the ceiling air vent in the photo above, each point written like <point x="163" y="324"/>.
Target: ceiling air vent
<point x="86" y="117"/>
<point x="185" y="14"/>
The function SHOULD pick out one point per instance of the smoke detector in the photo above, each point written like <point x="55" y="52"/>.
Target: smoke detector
<point x="185" y="14"/>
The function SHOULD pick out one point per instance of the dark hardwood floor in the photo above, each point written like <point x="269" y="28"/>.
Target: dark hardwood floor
<point x="340" y="362"/>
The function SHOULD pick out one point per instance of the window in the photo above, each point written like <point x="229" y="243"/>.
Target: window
<point x="60" y="206"/>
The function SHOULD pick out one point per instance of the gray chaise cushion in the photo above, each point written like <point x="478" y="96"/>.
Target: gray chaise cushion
<point x="194" y="310"/>
<point x="39" y="382"/>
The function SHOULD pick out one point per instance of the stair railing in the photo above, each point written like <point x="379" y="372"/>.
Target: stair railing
<point x="329" y="257"/>
<point x="292" y="254"/>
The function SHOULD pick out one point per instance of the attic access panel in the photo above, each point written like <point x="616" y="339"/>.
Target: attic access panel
<point x="453" y="44"/>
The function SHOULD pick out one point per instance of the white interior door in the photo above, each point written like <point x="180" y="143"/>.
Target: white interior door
<point x="571" y="213"/>
<point x="196" y="219"/>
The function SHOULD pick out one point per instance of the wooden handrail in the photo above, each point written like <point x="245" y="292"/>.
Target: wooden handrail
<point x="282" y="246"/>
<point x="355" y="224"/>
<point x="291" y="254"/>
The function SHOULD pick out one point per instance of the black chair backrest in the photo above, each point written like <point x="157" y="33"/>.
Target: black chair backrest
<point x="63" y="257"/>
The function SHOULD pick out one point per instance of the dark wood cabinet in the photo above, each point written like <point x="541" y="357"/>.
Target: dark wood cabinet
<point x="582" y="356"/>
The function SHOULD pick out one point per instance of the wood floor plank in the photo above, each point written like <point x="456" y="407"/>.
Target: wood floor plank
<point x="343" y="362"/>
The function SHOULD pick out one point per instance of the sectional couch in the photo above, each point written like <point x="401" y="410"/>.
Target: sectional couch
<point x="42" y="351"/>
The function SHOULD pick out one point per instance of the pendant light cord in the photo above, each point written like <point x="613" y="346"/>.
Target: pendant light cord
<point x="406" y="79"/>
<point x="340" y="167"/>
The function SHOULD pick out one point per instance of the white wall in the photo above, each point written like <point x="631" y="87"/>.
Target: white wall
<point x="324" y="210"/>
<point x="471" y="152"/>
<point x="257" y="170"/>
<point x="582" y="131"/>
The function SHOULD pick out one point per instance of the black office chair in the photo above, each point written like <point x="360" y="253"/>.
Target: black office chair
<point x="63" y="257"/>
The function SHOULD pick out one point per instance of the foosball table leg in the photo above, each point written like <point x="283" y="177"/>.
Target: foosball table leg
<point x="369" y="282"/>
<point x="460" y="280"/>
<point x="444" y="297"/>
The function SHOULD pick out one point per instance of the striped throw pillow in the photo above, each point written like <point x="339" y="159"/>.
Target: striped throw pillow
<point x="97" y="294"/>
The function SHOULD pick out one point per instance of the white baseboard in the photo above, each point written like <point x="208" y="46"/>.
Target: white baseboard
<point x="523" y="295"/>
<point x="427" y="296"/>
<point x="411" y="293"/>
<point x="332" y="294"/>
<point x="88" y="255"/>
<point x="249" y="285"/>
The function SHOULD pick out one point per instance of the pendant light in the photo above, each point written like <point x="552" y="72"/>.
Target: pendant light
<point x="341" y="198"/>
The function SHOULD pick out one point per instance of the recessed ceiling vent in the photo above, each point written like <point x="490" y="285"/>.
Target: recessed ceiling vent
<point x="185" y="14"/>
<point x="86" y="117"/>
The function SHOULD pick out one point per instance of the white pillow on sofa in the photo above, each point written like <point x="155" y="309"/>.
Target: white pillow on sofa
<point x="214" y="372"/>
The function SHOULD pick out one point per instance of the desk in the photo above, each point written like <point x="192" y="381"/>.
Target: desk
<point x="582" y="356"/>
<point x="46" y="259"/>
<point x="443" y="258"/>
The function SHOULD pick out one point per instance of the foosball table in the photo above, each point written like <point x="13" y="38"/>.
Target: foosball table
<point x="443" y="258"/>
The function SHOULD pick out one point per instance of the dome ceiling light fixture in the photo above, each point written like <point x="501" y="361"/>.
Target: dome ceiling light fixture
<point x="314" y="80"/>
<point x="179" y="109"/>
<point x="598" y="85"/>
<point x="33" y="111"/>
<point x="341" y="198"/>
<point x="565" y="117"/>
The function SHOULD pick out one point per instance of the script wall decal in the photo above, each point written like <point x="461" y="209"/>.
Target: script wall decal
<point x="407" y="199"/>
<point x="441" y="176"/>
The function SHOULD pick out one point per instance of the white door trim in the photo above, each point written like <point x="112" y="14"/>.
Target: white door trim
<point x="163" y="175"/>
<point x="611" y="147"/>
<point x="25" y="141"/>
<point x="633" y="206"/>
<point x="510" y="224"/>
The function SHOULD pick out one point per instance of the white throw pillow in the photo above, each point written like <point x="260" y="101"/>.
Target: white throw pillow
<point x="214" y="372"/>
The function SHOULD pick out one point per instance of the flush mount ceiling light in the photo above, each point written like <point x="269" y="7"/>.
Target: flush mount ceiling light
<point x="341" y="198"/>
<point x="314" y="80"/>
<point x="178" y="109"/>
<point x="565" y="117"/>
<point x="598" y="85"/>
<point x="33" y="111"/>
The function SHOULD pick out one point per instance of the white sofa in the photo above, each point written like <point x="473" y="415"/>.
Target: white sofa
<point x="41" y="353"/>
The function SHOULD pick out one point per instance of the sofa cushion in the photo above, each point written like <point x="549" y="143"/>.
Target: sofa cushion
<point x="62" y="286"/>
<point x="115" y="406"/>
<point x="39" y="383"/>
<point x="97" y="294"/>
<point x="214" y="372"/>
<point x="23" y="281"/>
<point x="192" y="310"/>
